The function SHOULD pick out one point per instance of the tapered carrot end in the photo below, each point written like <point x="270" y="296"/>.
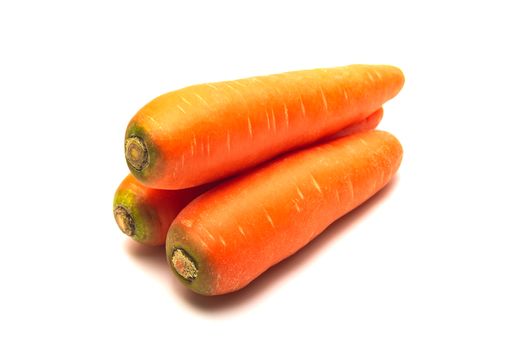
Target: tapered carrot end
<point x="397" y="76"/>
<point x="124" y="221"/>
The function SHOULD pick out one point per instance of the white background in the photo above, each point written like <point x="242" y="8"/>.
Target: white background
<point x="435" y="261"/>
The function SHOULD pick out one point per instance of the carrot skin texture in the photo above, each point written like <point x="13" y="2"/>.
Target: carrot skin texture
<point x="210" y="131"/>
<point x="151" y="211"/>
<point x="236" y="231"/>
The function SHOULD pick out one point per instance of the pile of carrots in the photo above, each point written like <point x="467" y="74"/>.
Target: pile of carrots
<point x="233" y="177"/>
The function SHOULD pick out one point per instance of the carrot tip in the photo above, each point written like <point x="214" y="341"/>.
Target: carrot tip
<point x="124" y="221"/>
<point x="136" y="153"/>
<point x="184" y="265"/>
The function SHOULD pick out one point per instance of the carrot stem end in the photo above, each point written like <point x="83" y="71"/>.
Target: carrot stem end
<point x="184" y="265"/>
<point x="124" y="221"/>
<point x="136" y="152"/>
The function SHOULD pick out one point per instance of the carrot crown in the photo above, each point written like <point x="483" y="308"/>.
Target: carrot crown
<point x="124" y="220"/>
<point x="184" y="264"/>
<point x="142" y="154"/>
<point x="136" y="221"/>
<point x="136" y="153"/>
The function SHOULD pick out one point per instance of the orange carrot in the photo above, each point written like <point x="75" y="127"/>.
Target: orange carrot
<point x="145" y="214"/>
<point x="231" y="234"/>
<point x="205" y="132"/>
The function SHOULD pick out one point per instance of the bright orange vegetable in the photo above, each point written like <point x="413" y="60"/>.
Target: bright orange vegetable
<point x="145" y="214"/>
<point x="231" y="234"/>
<point x="205" y="132"/>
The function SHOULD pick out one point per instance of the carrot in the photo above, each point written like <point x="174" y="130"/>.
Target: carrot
<point x="145" y="214"/>
<point x="205" y="132"/>
<point x="231" y="234"/>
